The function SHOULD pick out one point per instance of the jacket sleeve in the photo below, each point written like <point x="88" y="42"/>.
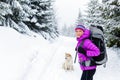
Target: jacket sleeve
<point x="91" y="49"/>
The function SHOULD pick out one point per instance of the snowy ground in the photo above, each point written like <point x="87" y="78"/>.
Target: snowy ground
<point x="28" y="58"/>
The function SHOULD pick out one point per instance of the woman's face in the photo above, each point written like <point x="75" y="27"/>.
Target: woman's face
<point x="79" y="33"/>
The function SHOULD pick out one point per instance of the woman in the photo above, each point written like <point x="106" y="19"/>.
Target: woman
<point x="85" y="52"/>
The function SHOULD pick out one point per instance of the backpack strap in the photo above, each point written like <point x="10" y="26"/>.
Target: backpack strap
<point x="81" y="44"/>
<point x="86" y="63"/>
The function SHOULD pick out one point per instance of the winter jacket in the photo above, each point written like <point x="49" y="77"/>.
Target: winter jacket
<point x="90" y="49"/>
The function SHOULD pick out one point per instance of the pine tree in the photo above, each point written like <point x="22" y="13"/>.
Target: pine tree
<point x="111" y="12"/>
<point x="68" y="31"/>
<point x="5" y="12"/>
<point x="13" y="15"/>
<point x="71" y="31"/>
<point x="80" y="19"/>
<point x="19" y="15"/>
<point x="34" y="15"/>
<point x="43" y="20"/>
<point x="94" y="14"/>
<point x="63" y="30"/>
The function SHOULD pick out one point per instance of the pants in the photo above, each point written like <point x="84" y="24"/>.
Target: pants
<point x="88" y="74"/>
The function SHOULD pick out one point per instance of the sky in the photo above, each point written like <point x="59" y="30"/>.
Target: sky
<point x="67" y="11"/>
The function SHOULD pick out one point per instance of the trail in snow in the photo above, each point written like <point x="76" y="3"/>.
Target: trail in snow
<point x="29" y="58"/>
<point x="54" y="49"/>
<point x="29" y="66"/>
<point x="52" y="62"/>
<point x="42" y="60"/>
<point x="52" y="70"/>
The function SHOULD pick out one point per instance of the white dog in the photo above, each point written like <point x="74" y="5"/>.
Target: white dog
<point x="68" y="64"/>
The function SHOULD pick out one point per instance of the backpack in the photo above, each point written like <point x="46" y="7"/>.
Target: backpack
<point x="97" y="37"/>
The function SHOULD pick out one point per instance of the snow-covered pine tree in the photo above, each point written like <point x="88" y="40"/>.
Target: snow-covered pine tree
<point x="19" y="15"/>
<point x="94" y="14"/>
<point x="13" y="13"/>
<point x="26" y="15"/>
<point x="51" y="21"/>
<point x="43" y="21"/>
<point x="80" y="19"/>
<point x="67" y="30"/>
<point x="111" y="12"/>
<point x="71" y="31"/>
<point x="5" y="12"/>
<point x="63" y="30"/>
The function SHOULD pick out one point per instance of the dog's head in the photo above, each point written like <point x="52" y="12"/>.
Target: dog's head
<point x="68" y="56"/>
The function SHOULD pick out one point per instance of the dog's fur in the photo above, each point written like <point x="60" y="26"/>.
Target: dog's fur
<point x="68" y="64"/>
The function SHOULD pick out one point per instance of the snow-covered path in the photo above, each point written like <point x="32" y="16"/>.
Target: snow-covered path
<point x="52" y="64"/>
<point x="29" y="58"/>
<point x="52" y="70"/>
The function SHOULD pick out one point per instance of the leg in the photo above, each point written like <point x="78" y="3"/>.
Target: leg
<point x="88" y="74"/>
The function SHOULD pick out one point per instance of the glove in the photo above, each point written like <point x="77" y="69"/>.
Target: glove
<point x="81" y="50"/>
<point x="76" y="49"/>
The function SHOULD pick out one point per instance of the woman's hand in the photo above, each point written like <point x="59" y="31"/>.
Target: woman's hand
<point x="81" y="50"/>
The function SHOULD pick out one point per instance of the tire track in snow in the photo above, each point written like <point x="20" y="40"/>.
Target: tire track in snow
<point x="29" y="67"/>
<point x="46" y="68"/>
<point x="54" y="70"/>
<point x="35" y="60"/>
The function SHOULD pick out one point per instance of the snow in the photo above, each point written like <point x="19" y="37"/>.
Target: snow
<point x="16" y="5"/>
<point x="34" y="20"/>
<point x="32" y="58"/>
<point x="5" y="8"/>
<point x="37" y="24"/>
<point x="16" y="53"/>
